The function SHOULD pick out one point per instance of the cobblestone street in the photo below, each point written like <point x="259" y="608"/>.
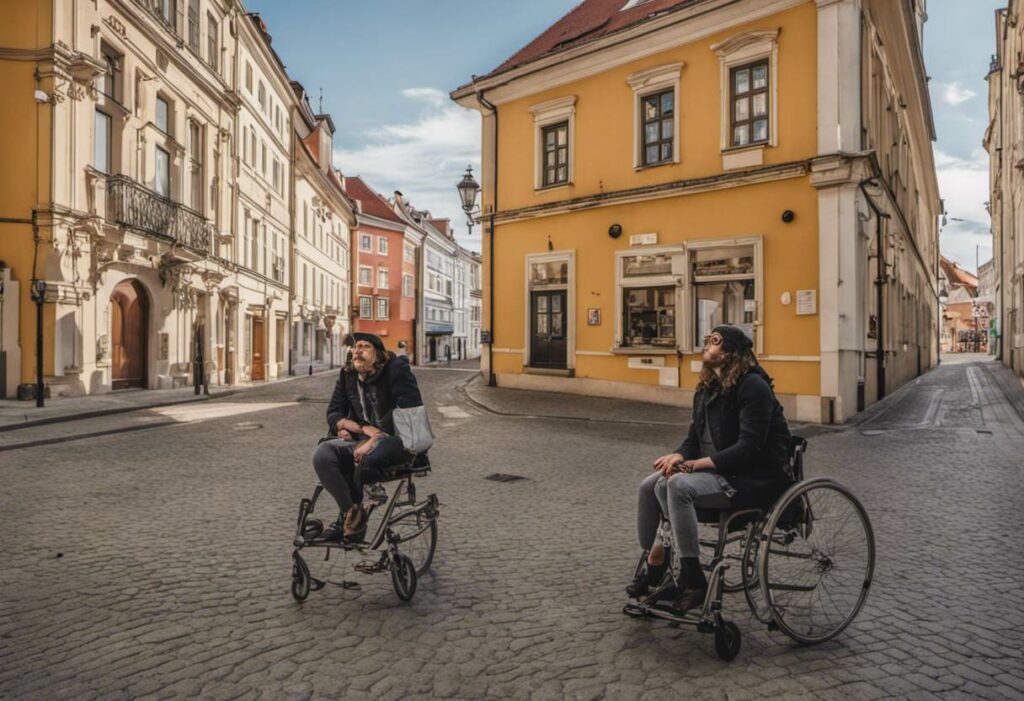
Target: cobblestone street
<point x="154" y="561"/>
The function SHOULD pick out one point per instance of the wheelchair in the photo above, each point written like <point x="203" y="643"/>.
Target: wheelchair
<point x="804" y="566"/>
<point x="404" y="534"/>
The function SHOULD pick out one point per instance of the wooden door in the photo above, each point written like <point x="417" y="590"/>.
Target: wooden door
<point x="548" y="333"/>
<point x="258" y="349"/>
<point x="128" y="335"/>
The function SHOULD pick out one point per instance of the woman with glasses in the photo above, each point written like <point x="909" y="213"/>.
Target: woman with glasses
<point x="735" y="455"/>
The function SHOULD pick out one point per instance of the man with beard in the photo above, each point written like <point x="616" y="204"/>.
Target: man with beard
<point x="736" y="455"/>
<point x="362" y="441"/>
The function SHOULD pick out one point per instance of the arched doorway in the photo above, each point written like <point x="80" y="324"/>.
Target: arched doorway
<point x="129" y="325"/>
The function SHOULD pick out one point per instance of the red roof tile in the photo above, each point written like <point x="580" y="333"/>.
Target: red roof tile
<point x="587" y="21"/>
<point x="957" y="275"/>
<point x="372" y="202"/>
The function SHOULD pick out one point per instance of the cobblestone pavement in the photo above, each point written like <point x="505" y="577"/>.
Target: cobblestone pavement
<point x="154" y="563"/>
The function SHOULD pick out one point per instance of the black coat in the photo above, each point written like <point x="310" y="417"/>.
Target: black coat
<point x="393" y="387"/>
<point x="751" y="438"/>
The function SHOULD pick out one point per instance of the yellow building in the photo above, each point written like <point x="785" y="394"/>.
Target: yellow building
<point x="652" y="168"/>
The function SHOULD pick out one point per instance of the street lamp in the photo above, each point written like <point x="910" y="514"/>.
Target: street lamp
<point x="943" y="298"/>
<point x="468" y="189"/>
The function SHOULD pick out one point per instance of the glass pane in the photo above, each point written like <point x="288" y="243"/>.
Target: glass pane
<point x="727" y="260"/>
<point x="563" y="136"/>
<point x="161" y="115"/>
<point x="761" y="130"/>
<point x="760" y="76"/>
<point x="563" y="156"/>
<point x="542" y="304"/>
<point x="542" y="323"/>
<point x="556" y="303"/>
<point x="549" y="139"/>
<point x="667" y="103"/>
<point x="646" y="264"/>
<point x="741" y="80"/>
<point x="666" y="129"/>
<point x="666" y="151"/>
<point x="647" y="322"/>
<point x="651" y="133"/>
<point x="101" y="148"/>
<point x="549" y="273"/>
<point x="723" y="303"/>
<point x="549" y="159"/>
<point x="556" y="325"/>
<point x="650" y="108"/>
<point x="162" y="180"/>
<point x="741" y="111"/>
<point x="652" y="154"/>
<point x="549" y="176"/>
<point x="760" y="104"/>
<point x="562" y="175"/>
<point x="740" y="135"/>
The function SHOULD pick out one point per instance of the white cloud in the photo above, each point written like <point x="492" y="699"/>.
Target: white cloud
<point x="964" y="187"/>
<point x="954" y="93"/>
<point x="424" y="158"/>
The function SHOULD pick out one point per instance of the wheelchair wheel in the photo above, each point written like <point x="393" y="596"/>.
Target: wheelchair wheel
<point x="403" y="577"/>
<point x="301" y="578"/>
<point x="751" y="580"/>
<point x="816" y="560"/>
<point x="727" y="640"/>
<point x="417" y="534"/>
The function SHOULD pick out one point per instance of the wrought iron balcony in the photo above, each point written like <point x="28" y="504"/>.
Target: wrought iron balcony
<point x="134" y="205"/>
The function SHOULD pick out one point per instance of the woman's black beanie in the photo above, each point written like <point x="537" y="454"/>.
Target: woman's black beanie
<point x="734" y="339"/>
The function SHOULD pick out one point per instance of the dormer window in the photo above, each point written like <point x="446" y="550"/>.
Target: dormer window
<point x="631" y="4"/>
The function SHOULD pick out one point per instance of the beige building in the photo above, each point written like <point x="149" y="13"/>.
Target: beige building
<point x="1004" y="141"/>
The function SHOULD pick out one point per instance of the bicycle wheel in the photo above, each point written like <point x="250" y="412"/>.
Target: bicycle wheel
<point x="417" y="534"/>
<point x="816" y="560"/>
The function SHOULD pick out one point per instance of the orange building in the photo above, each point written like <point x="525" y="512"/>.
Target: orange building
<point x="384" y="253"/>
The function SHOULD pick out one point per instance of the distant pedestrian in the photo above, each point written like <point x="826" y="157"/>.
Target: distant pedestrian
<point x="448" y="353"/>
<point x="403" y="349"/>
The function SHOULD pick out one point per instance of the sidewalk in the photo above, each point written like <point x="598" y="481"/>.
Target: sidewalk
<point x="15" y="414"/>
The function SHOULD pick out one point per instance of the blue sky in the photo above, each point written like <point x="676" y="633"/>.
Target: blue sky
<point x="386" y="68"/>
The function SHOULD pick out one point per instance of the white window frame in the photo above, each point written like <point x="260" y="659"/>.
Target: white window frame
<point x="676" y="277"/>
<point x="648" y="82"/>
<point x="382" y="278"/>
<point x="407" y="285"/>
<point x="368" y="301"/>
<point x="386" y="306"/>
<point x="382" y="245"/>
<point x="368" y="248"/>
<point x="409" y="253"/>
<point x="748" y="47"/>
<point x="369" y="276"/>
<point x="562" y="109"/>
<point x="758" y="243"/>
<point x="568" y="257"/>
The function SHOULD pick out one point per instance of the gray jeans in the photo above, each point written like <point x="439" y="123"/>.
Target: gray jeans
<point x="678" y="496"/>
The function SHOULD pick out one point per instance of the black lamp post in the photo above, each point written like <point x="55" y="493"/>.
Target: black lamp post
<point x="468" y="189"/>
<point x="38" y="293"/>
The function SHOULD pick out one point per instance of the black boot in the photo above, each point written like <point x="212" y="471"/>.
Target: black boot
<point x="649" y="576"/>
<point x="692" y="584"/>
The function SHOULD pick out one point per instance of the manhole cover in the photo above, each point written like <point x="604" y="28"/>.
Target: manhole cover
<point x="502" y="477"/>
<point x="248" y="426"/>
<point x="983" y="431"/>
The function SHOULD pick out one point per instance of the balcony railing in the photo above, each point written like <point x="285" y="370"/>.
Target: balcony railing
<point x="138" y="207"/>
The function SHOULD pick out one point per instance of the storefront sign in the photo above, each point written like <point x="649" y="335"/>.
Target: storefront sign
<point x="643" y="239"/>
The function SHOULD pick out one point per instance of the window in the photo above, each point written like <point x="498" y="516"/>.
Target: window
<point x="658" y="127"/>
<point x="726" y="287"/>
<point x="407" y="290"/>
<point x="165" y="10"/>
<point x="101" y="143"/>
<point x="263" y="96"/>
<point x="248" y="77"/>
<point x="195" y="152"/>
<point x="163" y="122"/>
<point x="162" y="175"/>
<point x="649" y="295"/>
<point x="555" y="139"/>
<point x="252" y="147"/>
<point x="366" y="307"/>
<point x="193" y="25"/>
<point x="365" y="242"/>
<point x="277" y="175"/>
<point x="382" y="278"/>
<point x="409" y="253"/>
<point x="382" y="245"/>
<point x="656" y="91"/>
<point x="382" y="308"/>
<point x="749" y="103"/>
<point x="254" y="251"/>
<point x="305" y="219"/>
<point x="263" y="158"/>
<point x="212" y="44"/>
<point x="365" y="275"/>
<point x="110" y="82"/>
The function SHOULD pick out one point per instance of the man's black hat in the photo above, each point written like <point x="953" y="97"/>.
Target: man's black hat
<point x="733" y="338"/>
<point x="370" y="338"/>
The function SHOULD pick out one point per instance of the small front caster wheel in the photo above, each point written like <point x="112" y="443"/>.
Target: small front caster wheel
<point x="727" y="640"/>
<point x="300" y="578"/>
<point x="403" y="576"/>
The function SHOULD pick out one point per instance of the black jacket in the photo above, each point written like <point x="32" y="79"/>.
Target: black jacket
<point x="751" y="438"/>
<point x="394" y="386"/>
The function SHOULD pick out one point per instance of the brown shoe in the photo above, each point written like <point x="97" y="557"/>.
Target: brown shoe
<point x="355" y="521"/>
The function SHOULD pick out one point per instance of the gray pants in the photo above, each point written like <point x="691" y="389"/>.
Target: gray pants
<point x="340" y="475"/>
<point x="678" y="496"/>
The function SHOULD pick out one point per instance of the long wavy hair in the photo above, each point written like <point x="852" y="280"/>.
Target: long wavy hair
<point x="736" y="365"/>
<point x="378" y="364"/>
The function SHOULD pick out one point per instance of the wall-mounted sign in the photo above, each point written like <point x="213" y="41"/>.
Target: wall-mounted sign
<point x="806" y="302"/>
<point x="594" y="316"/>
<point x="643" y="239"/>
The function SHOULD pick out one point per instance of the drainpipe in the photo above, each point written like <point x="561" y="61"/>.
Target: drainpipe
<point x="880" y="281"/>
<point x="491" y="380"/>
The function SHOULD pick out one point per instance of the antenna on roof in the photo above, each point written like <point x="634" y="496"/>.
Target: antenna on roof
<point x="320" y="109"/>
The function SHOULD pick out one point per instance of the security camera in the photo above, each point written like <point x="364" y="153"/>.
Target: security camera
<point x="41" y="97"/>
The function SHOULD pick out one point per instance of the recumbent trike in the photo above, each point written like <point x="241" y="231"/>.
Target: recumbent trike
<point x="404" y="538"/>
<point x="804" y="566"/>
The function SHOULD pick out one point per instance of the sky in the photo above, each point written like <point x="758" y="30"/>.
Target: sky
<point x="386" y="68"/>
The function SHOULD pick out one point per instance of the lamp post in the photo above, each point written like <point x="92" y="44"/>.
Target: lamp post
<point x="468" y="189"/>
<point x="38" y="293"/>
<point x="943" y="298"/>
